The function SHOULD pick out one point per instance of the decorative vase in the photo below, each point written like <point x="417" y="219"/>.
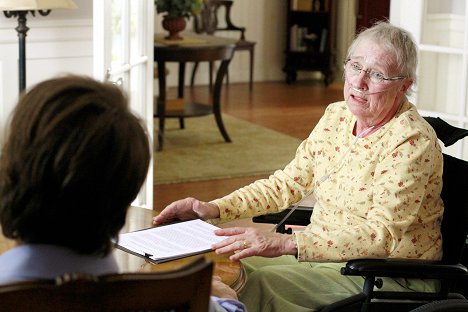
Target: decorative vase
<point x="174" y="25"/>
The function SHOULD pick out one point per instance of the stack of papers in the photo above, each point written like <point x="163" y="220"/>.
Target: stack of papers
<point x="169" y="242"/>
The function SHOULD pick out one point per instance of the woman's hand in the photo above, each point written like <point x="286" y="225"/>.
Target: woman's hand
<point x="246" y="242"/>
<point x="187" y="209"/>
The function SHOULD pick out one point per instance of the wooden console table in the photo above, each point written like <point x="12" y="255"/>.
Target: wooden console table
<point x="194" y="48"/>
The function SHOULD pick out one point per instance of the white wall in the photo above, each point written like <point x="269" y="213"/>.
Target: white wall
<point x="59" y="43"/>
<point x="265" y="21"/>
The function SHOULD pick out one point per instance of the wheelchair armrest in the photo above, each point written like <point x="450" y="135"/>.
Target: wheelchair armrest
<point x="406" y="269"/>
<point x="447" y="133"/>
<point x="300" y="216"/>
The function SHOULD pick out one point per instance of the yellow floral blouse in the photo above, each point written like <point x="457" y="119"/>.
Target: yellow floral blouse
<point x="381" y="200"/>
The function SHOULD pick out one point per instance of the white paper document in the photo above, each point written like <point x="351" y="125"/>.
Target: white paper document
<point x="172" y="241"/>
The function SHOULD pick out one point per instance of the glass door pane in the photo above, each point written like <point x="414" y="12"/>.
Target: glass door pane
<point x="439" y="85"/>
<point x="126" y="35"/>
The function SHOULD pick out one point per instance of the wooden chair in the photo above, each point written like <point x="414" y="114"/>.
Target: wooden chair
<point x="184" y="289"/>
<point x="207" y="23"/>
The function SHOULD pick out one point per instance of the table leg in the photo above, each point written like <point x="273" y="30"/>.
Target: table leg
<point x="251" y="69"/>
<point x="161" y="103"/>
<point x="217" y="98"/>
<point x="180" y="90"/>
<point x="194" y="71"/>
<point x="210" y="76"/>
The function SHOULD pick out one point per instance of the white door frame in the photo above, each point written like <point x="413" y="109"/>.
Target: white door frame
<point x="134" y="72"/>
<point x="449" y="53"/>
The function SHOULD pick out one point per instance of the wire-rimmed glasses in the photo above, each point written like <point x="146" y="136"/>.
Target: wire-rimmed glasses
<point x="353" y="69"/>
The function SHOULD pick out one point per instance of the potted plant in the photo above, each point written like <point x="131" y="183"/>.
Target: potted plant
<point x="177" y="11"/>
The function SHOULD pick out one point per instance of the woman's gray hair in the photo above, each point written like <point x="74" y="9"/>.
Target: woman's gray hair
<point x="397" y="41"/>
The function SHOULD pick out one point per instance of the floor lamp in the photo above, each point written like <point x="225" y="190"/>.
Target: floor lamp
<point x="19" y="9"/>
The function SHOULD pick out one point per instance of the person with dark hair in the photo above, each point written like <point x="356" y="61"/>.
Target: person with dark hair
<point x="74" y="159"/>
<point x="372" y="164"/>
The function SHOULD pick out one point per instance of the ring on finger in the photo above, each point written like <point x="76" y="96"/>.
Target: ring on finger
<point x="245" y="244"/>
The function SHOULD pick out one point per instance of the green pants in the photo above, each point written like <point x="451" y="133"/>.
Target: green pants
<point x="285" y="285"/>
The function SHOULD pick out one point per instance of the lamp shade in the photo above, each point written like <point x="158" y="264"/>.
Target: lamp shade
<point x="20" y="5"/>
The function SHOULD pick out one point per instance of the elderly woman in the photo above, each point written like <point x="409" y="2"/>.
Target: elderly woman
<point x="374" y="167"/>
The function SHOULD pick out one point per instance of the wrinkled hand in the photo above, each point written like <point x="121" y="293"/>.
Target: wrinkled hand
<point x="246" y="242"/>
<point x="221" y="290"/>
<point x="187" y="209"/>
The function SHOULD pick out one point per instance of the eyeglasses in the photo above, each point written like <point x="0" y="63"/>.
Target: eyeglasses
<point x="353" y="69"/>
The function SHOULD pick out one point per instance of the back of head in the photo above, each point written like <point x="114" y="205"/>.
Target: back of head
<point x="74" y="159"/>
<point x="396" y="41"/>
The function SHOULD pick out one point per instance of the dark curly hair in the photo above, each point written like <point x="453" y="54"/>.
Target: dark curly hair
<point x="74" y="159"/>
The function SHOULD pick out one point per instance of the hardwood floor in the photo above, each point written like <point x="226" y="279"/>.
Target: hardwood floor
<point x="290" y="109"/>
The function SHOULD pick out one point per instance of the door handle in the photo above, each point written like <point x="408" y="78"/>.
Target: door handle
<point x="119" y="82"/>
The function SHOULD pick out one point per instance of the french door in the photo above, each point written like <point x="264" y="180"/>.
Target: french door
<point x="123" y="54"/>
<point x="440" y="29"/>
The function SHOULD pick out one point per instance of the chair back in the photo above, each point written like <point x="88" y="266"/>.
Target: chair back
<point x="454" y="193"/>
<point x="207" y="21"/>
<point x="184" y="289"/>
<point x="455" y="196"/>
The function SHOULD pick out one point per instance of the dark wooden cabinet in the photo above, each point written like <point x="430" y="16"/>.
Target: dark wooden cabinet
<point x="310" y="32"/>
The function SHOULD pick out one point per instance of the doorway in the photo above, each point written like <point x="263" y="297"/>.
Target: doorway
<point x="371" y="11"/>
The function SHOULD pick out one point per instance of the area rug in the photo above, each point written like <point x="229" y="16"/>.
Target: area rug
<point x="199" y="152"/>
